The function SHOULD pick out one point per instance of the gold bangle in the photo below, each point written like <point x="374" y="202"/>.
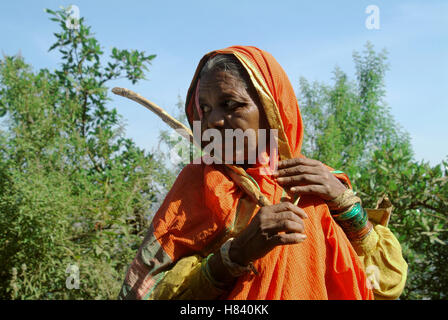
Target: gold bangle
<point x="343" y="201"/>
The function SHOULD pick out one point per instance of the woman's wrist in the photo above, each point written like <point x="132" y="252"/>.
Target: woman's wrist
<point x="354" y="222"/>
<point x="219" y="271"/>
<point x="236" y="254"/>
<point x="227" y="264"/>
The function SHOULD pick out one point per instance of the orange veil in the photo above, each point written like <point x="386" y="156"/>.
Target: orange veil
<point x="209" y="203"/>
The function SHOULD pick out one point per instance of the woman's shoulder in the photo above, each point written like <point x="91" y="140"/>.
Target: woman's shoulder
<point x="192" y="168"/>
<point x="197" y="170"/>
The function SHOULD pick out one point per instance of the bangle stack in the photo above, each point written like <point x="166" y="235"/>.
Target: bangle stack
<point x="345" y="200"/>
<point x="235" y="269"/>
<point x="354" y="222"/>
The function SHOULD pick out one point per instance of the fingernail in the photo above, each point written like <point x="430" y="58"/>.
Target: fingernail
<point x="293" y="189"/>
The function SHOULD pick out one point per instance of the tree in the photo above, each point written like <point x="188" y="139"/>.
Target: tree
<point x="74" y="191"/>
<point x="350" y="128"/>
<point x="175" y="150"/>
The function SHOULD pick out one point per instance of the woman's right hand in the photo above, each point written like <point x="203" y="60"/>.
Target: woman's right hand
<point x="274" y="225"/>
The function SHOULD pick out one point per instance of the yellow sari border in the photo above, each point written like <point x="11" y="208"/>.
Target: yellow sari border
<point x="269" y="105"/>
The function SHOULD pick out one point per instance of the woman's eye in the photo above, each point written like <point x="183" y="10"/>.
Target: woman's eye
<point x="232" y="104"/>
<point x="205" y="108"/>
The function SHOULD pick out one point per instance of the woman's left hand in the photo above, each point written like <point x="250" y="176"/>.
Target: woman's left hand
<point x="308" y="176"/>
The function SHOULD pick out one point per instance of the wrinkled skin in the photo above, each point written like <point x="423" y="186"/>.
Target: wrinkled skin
<point x="308" y="176"/>
<point x="227" y="104"/>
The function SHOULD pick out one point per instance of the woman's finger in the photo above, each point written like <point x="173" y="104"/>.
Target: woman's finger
<point x="296" y="170"/>
<point x="288" y="206"/>
<point x="287" y="215"/>
<point x="310" y="189"/>
<point x="287" y="238"/>
<point x="298" y="161"/>
<point x="287" y="226"/>
<point x="301" y="179"/>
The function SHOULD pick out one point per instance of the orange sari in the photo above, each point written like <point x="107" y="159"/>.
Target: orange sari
<point x="209" y="203"/>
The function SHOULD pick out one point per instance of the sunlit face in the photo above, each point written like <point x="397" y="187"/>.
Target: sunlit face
<point x="227" y="104"/>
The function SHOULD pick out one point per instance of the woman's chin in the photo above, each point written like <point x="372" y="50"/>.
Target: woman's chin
<point x="220" y="155"/>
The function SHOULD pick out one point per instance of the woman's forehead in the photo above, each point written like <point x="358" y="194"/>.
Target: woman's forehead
<point x="221" y="83"/>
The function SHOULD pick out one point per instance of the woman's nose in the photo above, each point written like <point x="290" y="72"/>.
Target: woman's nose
<point x="216" y="118"/>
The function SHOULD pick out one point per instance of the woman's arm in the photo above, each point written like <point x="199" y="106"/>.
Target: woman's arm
<point x="366" y="229"/>
<point x="150" y="276"/>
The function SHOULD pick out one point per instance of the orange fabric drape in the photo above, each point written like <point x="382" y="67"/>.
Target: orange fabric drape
<point x="203" y="202"/>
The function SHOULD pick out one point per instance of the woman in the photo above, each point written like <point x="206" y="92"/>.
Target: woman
<point x="230" y="231"/>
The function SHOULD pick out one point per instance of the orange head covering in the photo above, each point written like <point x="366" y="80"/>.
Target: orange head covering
<point x="207" y="202"/>
<point x="274" y="90"/>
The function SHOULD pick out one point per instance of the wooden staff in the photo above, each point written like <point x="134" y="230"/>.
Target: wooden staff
<point x="169" y="120"/>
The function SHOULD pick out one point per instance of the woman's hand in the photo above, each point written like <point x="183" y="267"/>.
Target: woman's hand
<point x="278" y="224"/>
<point x="308" y="176"/>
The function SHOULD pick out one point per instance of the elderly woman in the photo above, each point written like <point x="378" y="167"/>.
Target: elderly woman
<point x="231" y="231"/>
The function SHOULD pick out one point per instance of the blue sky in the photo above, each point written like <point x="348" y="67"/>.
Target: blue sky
<point x="308" y="38"/>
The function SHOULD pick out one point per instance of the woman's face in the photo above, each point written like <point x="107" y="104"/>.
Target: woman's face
<point x="226" y="103"/>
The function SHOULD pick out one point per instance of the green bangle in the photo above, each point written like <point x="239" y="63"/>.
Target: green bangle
<point x="353" y="220"/>
<point x="352" y="212"/>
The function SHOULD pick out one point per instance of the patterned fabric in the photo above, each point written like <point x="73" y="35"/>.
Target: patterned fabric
<point x="383" y="260"/>
<point x="380" y="252"/>
<point x="203" y="209"/>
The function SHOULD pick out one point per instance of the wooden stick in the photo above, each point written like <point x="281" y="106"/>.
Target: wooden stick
<point x="169" y="120"/>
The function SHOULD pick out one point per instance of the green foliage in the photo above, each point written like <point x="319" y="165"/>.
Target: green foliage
<point x="73" y="189"/>
<point x="350" y="128"/>
<point x="173" y="149"/>
<point x="83" y="73"/>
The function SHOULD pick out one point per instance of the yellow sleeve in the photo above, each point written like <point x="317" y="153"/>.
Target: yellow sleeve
<point x="381" y="254"/>
<point x="186" y="281"/>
